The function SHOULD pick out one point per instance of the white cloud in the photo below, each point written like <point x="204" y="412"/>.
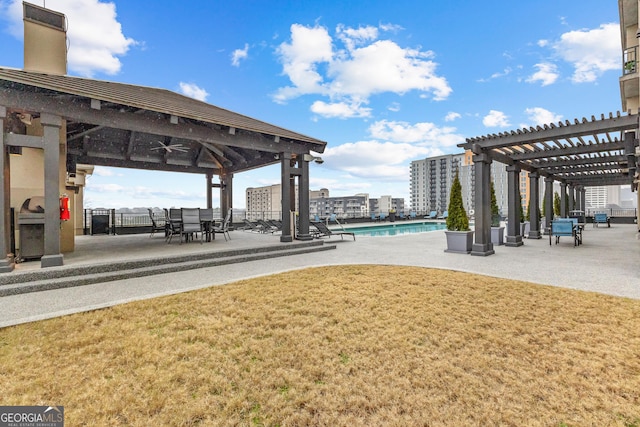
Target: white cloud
<point x="496" y="119"/>
<point x="422" y="134"/>
<point x="541" y="116"/>
<point x="103" y="171"/>
<point x="374" y="159"/>
<point x="591" y="52"/>
<point x="451" y="116"/>
<point x="340" y="110"/>
<point x="95" y="36"/>
<point x="364" y="67"/>
<point x="547" y="74"/>
<point x="239" y="54"/>
<point x="193" y="91"/>
<point x="394" y="106"/>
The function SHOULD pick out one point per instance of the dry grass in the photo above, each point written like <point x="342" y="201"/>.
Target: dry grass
<point x="339" y="346"/>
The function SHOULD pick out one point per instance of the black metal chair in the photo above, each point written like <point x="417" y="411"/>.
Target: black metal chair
<point x="223" y="228"/>
<point x="174" y="223"/>
<point x="191" y="224"/>
<point x="157" y="224"/>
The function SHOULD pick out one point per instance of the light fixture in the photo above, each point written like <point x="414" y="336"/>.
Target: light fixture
<point x="638" y="33"/>
<point x="309" y="158"/>
<point x="25" y="118"/>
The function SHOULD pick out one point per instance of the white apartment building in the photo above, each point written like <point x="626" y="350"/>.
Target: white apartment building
<point x="431" y="181"/>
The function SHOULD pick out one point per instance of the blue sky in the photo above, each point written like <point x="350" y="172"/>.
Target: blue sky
<point x="384" y="83"/>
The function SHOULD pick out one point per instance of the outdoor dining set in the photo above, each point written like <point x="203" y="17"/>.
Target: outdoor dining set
<point x="189" y="223"/>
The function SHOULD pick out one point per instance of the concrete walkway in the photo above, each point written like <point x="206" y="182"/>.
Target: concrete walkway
<point x="608" y="262"/>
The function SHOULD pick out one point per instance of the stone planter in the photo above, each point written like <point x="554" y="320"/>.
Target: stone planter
<point x="459" y="242"/>
<point x="497" y="235"/>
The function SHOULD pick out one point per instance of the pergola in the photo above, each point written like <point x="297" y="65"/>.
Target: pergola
<point x="113" y="124"/>
<point x="580" y="154"/>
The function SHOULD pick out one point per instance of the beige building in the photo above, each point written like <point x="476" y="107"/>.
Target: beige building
<point x="630" y="79"/>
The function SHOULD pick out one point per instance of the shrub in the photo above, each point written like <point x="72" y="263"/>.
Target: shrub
<point x="457" y="219"/>
<point x="495" y="212"/>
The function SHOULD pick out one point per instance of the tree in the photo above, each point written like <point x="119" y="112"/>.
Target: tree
<point x="495" y="211"/>
<point x="520" y="206"/>
<point x="457" y="219"/>
<point x="556" y="203"/>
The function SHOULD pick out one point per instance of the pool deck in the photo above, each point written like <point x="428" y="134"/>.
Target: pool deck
<point x="607" y="262"/>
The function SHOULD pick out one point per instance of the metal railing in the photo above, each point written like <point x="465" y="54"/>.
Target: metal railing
<point x="630" y="60"/>
<point x="614" y="212"/>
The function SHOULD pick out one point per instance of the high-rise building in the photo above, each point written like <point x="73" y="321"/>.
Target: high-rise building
<point x="431" y="181"/>
<point x="630" y="78"/>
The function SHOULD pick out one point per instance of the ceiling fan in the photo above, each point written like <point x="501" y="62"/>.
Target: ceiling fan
<point x="170" y="147"/>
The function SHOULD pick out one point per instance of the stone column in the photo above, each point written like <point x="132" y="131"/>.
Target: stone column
<point x="563" y="204"/>
<point x="209" y="189"/>
<point x="514" y="230"/>
<point x="482" y="170"/>
<point x="572" y="201"/>
<point x="6" y="257"/>
<point x="534" y="206"/>
<point x="285" y="179"/>
<point x="51" y="139"/>
<point x="303" y="200"/>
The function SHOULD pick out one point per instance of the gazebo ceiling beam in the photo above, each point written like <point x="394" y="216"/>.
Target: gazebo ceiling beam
<point x="567" y="151"/>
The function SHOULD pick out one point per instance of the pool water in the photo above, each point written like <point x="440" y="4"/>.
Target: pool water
<point x="397" y="228"/>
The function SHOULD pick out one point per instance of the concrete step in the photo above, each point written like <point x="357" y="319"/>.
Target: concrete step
<point x="57" y="278"/>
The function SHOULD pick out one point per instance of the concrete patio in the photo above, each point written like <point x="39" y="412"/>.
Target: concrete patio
<point x="606" y="263"/>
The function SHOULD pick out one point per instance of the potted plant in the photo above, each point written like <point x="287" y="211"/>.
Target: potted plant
<point x="497" y="232"/>
<point x="459" y="236"/>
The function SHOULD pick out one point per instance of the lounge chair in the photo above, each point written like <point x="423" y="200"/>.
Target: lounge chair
<point x="383" y="217"/>
<point x="432" y="215"/>
<point x="412" y="215"/>
<point x="444" y="215"/>
<point x="266" y="227"/>
<point x="248" y="225"/>
<point x="324" y="231"/>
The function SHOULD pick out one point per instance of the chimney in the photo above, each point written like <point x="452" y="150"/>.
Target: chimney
<point x="45" y="40"/>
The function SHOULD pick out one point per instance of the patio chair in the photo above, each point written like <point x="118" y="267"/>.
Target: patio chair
<point x="601" y="218"/>
<point x="383" y="217"/>
<point x="206" y="218"/>
<point x="323" y="230"/>
<point x="444" y="215"/>
<point x="191" y="224"/>
<point x="223" y="228"/>
<point x="174" y="223"/>
<point x="432" y="215"/>
<point x="157" y="225"/>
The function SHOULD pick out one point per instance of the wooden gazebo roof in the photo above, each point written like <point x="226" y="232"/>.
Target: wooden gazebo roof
<point x="123" y="125"/>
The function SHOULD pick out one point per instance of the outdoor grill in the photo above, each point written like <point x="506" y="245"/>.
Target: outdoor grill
<point x="31" y="226"/>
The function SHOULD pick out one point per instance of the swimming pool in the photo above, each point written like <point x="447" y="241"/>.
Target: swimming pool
<point x="397" y="228"/>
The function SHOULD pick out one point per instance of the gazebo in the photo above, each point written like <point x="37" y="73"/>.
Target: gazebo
<point x="94" y="122"/>
<point x="578" y="155"/>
